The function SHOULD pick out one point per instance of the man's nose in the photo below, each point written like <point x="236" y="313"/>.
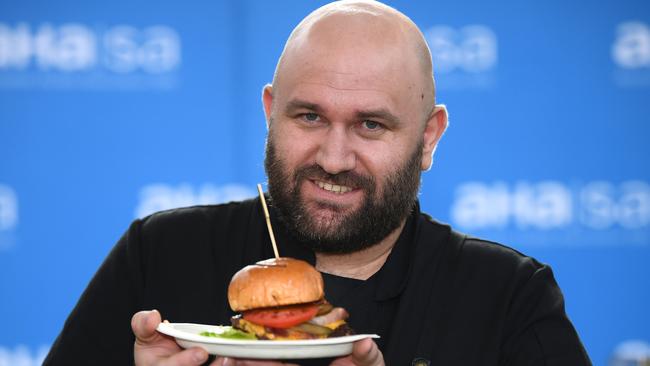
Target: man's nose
<point x="336" y="153"/>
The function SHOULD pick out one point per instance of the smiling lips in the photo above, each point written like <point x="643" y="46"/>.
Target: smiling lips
<point x="334" y="188"/>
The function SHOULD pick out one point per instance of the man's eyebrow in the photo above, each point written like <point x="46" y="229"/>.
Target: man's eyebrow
<point x="296" y="104"/>
<point x="383" y="114"/>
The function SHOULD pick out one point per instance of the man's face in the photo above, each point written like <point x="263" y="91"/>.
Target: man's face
<point x="325" y="225"/>
<point x="346" y="136"/>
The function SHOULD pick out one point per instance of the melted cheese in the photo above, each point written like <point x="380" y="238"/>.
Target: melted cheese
<point x="335" y="324"/>
<point x="249" y="327"/>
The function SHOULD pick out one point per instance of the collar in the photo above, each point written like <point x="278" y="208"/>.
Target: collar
<point x="391" y="279"/>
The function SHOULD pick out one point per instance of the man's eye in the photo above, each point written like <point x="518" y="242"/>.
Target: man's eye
<point x="371" y="125"/>
<point x="310" y="117"/>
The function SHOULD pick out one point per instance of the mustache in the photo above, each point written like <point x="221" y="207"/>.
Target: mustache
<point x="349" y="178"/>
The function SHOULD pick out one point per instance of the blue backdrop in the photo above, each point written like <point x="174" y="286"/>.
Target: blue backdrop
<point x="112" y="110"/>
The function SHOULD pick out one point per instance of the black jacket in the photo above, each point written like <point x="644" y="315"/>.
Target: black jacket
<point x="440" y="299"/>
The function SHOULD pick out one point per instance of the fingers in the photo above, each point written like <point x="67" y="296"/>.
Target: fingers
<point x="227" y="361"/>
<point x="144" y="324"/>
<point x="153" y="348"/>
<point x="189" y="357"/>
<point x="222" y="361"/>
<point x="366" y="353"/>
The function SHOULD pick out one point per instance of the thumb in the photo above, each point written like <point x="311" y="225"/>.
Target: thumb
<point x="366" y="353"/>
<point x="144" y="324"/>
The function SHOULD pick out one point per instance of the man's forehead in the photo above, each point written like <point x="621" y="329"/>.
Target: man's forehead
<point x="349" y="61"/>
<point x="332" y="95"/>
<point x="356" y="46"/>
<point x="350" y="76"/>
<point x="381" y="81"/>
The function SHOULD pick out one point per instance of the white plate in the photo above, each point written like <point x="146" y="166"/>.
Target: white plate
<point x="187" y="335"/>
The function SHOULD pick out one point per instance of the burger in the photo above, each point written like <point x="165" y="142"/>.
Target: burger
<point x="283" y="299"/>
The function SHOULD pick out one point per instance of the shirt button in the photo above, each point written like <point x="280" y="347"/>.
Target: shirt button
<point x="420" y="362"/>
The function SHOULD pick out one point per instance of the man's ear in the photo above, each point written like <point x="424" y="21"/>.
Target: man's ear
<point x="267" y="102"/>
<point x="435" y="127"/>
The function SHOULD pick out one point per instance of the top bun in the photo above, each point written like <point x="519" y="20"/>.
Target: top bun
<point x="275" y="282"/>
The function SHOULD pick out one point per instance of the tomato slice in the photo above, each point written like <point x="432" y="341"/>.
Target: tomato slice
<point x="283" y="317"/>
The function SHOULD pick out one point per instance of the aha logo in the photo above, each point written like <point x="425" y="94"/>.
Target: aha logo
<point x="158" y="197"/>
<point x="631" y="50"/>
<point x="472" y="48"/>
<point x="75" y="47"/>
<point x="68" y="48"/>
<point x="632" y="352"/>
<point x="544" y="205"/>
<point x="8" y="208"/>
<point x="552" y="205"/>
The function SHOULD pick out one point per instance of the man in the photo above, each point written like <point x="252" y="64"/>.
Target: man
<point x="352" y="122"/>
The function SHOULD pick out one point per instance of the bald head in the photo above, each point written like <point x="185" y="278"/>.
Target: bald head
<point x="349" y="37"/>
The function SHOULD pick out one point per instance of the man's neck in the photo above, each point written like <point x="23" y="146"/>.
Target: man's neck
<point x="362" y="264"/>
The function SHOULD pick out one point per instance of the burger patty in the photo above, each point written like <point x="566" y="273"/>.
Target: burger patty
<point x="342" y="330"/>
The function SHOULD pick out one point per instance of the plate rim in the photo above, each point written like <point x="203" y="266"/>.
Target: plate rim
<point x="171" y="330"/>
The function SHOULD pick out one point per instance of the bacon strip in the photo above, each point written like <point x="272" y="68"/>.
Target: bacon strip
<point x="331" y="317"/>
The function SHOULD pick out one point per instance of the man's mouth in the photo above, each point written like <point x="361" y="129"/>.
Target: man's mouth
<point x="334" y="188"/>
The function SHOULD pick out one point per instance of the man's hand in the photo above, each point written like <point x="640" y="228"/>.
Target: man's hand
<point x="364" y="353"/>
<point x="154" y="349"/>
<point x="227" y="361"/>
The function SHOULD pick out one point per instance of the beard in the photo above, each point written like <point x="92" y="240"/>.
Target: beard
<point x="382" y="210"/>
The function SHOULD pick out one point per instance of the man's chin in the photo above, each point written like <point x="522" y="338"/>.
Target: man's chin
<point x="332" y="230"/>
<point x="324" y="214"/>
<point x="328" y="220"/>
<point x="324" y="222"/>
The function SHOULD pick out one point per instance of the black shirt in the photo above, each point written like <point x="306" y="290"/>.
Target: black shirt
<point x="440" y="298"/>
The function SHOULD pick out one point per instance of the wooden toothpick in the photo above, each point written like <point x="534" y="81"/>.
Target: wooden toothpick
<point x="268" y="220"/>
